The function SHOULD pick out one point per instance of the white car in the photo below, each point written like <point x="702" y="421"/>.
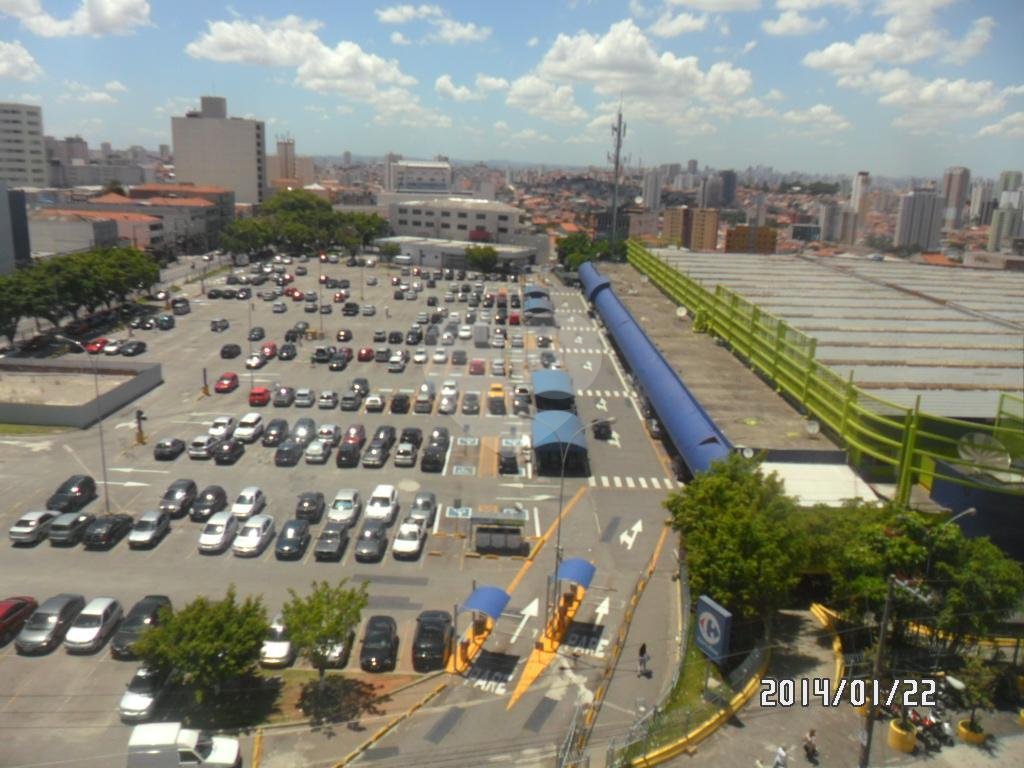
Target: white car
<point x="318" y="452"/>
<point x="93" y="625"/>
<point x="277" y="650"/>
<point x="448" y="339"/>
<point x="497" y="367"/>
<point x="517" y="341"/>
<point x="330" y="433"/>
<point x="374" y="403"/>
<point x="420" y="355"/>
<point x="346" y="507"/>
<point x="250" y="501"/>
<point x="466" y="332"/>
<point x="113" y="347"/>
<point x="249" y="428"/>
<point x="255" y="362"/>
<point x="254" y="536"/>
<point x="440" y="356"/>
<point x="409" y="541"/>
<point x="369" y="310"/>
<point x="383" y="504"/>
<point x="144" y="692"/>
<point x="31" y="527"/>
<point x="149" y="529"/>
<point x="218" y="533"/>
<point x="449" y="388"/>
<point x="222" y="428"/>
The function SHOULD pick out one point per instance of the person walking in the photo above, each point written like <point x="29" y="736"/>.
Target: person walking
<point x="780" y="758"/>
<point x="641" y="662"/>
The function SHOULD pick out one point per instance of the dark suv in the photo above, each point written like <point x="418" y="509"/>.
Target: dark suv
<point x="432" y="641"/>
<point x="144" y="614"/>
<point x="211" y="500"/>
<point x="73" y="494"/>
<point x="178" y="497"/>
<point x="275" y="433"/>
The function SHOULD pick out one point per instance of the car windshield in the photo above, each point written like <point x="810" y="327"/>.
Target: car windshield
<point x="145" y="525"/>
<point x="408" y="535"/>
<point x="244" y="498"/>
<point x="144" y="684"/>
<point x="370" y="533"/>
<point x="380" y="501"/>
<point x="88" y="620"/>
<point x="343" y="504"/>
<point x="429" y="638"/>
<point x="41" y="620"/>
<point x="277" y="634"/>
<point x="378" y="639"/>
<point x="250" y="532"/>
<point x="214" y="528"/>
<point x="330" y="536"/>
<point x="292" y="533"/>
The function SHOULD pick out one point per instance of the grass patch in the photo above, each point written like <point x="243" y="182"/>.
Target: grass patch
<point x="30" y="429"/>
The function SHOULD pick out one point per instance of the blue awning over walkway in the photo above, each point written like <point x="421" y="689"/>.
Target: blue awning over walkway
<point x="578" y="571"/>
<point x="489" y="600"/>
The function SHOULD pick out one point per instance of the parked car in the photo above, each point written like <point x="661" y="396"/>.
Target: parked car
<point x="149" y="529"/>
<point x="328" y="400"/>
<point x="318" y="452"/>
<point x="288" y="351"/>
<point x="94" y="625"/>
<point x="432" y="640"/>
<point x="372" y="541"/>
<point x="14" y="612"/>
<point x="293" y="540"/>
<point x="304" y="431"/>
<point x="73" y="494"/>
<point x="400" y="402"/>
<point x="259" y="396"/>
<point x="409" y="540"/>
<point x="275" y="433"/>
<point x="330" y="544"/>
<point x="32" y="527"/>
<point x="202" y="447"/>
<point x="250" y="501"/>
<point x="145" y="690"/>
<point x="471" y="403"/>
<point x="179" y="497"/>
<point x="106" y="531"/>
<point x="380" y="644"/>
<point x="289" y="453"/>
<point x="383" y="504"/>
<point x="348" y="455"/>
<point x="254" y="536"/>
<point x="250" y="428"/>
<point x="144" y="614"/>
<point x="49" y="623"/>
<point x="346" y="507"/>
<point x="229" y="451"/>
<point x="133" y="348"/>
<point x="69" y="528"/>
<point x="277" y="649"/>
<point x="424" y="507"/>
<point x="168" y="449"/>
<point x="222" y="428"/>
<point x="218" y="534"/>
<point x="211" y="500"/>
<point x="405" y="455"/>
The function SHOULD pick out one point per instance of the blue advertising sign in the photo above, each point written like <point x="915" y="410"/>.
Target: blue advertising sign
<point x="713" y="626"/>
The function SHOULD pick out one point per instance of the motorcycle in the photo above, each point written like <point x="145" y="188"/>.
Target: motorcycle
<point x="924" y="734"/>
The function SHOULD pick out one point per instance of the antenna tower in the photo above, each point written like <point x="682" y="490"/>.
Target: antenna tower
<point x="618" y="134"/>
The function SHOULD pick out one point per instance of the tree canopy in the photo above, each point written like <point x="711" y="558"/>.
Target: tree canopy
<point x="482" y="258"/>
<point x="326" y="616"/>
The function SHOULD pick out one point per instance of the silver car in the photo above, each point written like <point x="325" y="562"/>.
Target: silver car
<point x="424" y="507"/>
<point x="144" y="692"/>
<point x="32" y="527"/>
<point x="149" y="529"/>
<point x="318" y="452"/>
<point x="304" y="398"/>
<point x="48" y="625"/>
<point x="91" y="628"/>
<point x="250" y="501"/>
<point x="254" y="536"/>
<point x="346" y="507"/>
<point x="202" y="447"/>
<point x="218" y="533"/>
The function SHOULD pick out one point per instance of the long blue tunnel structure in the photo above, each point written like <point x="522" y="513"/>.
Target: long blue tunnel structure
<point x="693" y="432"/>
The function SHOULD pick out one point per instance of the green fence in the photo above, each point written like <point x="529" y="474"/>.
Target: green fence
<point x="888" y="442"/>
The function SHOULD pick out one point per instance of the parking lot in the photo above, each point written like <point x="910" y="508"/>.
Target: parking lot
<point x="79" y="695"/>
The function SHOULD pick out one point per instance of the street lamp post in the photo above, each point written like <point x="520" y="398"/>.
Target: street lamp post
<point x="99" y="420"/>
<point x="970" y="511"/>
<point x="252" y="380"/>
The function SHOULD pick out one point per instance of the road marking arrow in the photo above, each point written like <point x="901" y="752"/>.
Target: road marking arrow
<point x="531" y="611"/>
<point x="588" y="366"/>
<point x="601" y="405"/>
<point x="614" y="440"/>
<point x="578" y="340"/>
<point x="125" y="425"/>
<point x="602" y="611"/>
<point x="34" y="447"/>
<point x="628" y="538"/>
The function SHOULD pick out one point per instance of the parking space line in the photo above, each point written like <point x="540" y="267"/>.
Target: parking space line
<point x="536" y="521"/>
<point x="592" y="481"/>
<point x="604" y="481"/>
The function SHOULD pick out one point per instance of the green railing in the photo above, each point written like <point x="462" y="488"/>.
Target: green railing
<point x="888" y="442"/>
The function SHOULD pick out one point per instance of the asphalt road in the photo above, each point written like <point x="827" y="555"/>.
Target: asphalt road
<point x="613" y="523"/>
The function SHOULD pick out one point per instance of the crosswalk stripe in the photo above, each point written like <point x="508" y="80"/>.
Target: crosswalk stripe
<point x="630" y="483"/>
<point x="592" y="481"/>
<point x="604" y="481"/>
<point x="643" y="482"/>
<point x="618" y="481"/>
<point x="654" y="482"/>
<point x="669" y="485"/>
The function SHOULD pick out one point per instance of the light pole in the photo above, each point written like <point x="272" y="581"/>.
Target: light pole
<point x="252" y="381"/>
<point x="970" y="511"/>
<point x="99" y="419"/>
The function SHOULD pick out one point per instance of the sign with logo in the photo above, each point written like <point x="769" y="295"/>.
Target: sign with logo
<point x="713" y="626"/>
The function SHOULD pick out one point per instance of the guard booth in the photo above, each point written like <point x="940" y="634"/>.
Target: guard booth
<point x="553" y="391"/>
<point x="500" y="532"/>
<point x="560" y="442"/>
<point x="485" y="605"/>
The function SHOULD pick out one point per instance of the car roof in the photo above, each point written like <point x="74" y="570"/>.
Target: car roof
<point x="250" y="489"/>
<point x="253" y="416"/>
<point x="258" y="521"/>
<point x="98" y="604"/>
<point x="383" y="490"/>
<point x="221" y="517"/>
<point x="346" y="493"/>
<point x="151" y="514"/>
<point x="35" y="515"/>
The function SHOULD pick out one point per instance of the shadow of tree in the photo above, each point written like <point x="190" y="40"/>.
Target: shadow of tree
<point x="242" y="704"/>
<point x="339" y="699"/>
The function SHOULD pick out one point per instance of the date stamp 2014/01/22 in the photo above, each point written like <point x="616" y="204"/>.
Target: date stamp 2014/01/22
<point x="808" y="690"/>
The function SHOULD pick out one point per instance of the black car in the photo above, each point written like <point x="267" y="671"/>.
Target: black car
<point x="385" y="434"/>
<point x="376" y="455"/>
<point x="380" y="644"/>
<point x="105" y="531"/>
<point x="398" y="294"/>
<point x="347" y="456"/>
<point x="73" y="494"/>
<point x="547" y="359"/>
<point x="439" y="437"/>
<point x="414" y="337"/>
<point x="178" y="497"/>
<point x="291" y="335"/>
<point x="304" y="431"/>
<point x="351" y="400"/>
<point x="361" y="385"/>
<point x="350" y="309"/>
<point x="284" y="396"/>
<point x="382" y="354"/>
<point x="338" y="363"/>
<point x="323" y="354"/>
<point x="230" y="451"/>
<point x="288" y="453"/>
<point x="275" y="433"/>
<point x="143" y="615"/>
<point x="433" y="459"/>
<point x="459" y="357"/>
<point x="169" y="449"/>
<point x="257" y="333"/>
<point x="432" y="641"/>
<point x="371" y="542"/>
<point x="602" y="430"/>
<point x="379" y="337"/>
<point x="508" y="464"/>
<point x="230" y="351"/>
<point x="292" y="540"/>
<point x="133" y="348"/>
<point x="214" y="293"/>
<point x="211" y="499"/>
<point x="400" y="403"/>
<point x="412" y="435"/>
<point x="330" y="544"/>
<point x="394" y="337"/>
<point x="310" y="506"/>
<point x="288" y="351"/>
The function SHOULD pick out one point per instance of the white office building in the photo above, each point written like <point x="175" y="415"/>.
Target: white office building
<point x="445" y="254"/>
<point x="458" y="218"/>
<point x="22" y="150"/>
<point x="420" y="176"/>
<point x="213" y="149"/>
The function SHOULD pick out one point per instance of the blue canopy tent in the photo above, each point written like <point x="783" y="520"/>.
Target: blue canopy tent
<point x="538" y="310"/>
<point x="558" y="434"/>
<point x="552" y="391"/>
<point x="577" y="570"/>
<point x="534" y="291"/>
<point x="488" y="600"/>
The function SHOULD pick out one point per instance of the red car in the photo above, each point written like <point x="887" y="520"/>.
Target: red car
<point x="340" y="296"/>
<point x="14" y="612"/>
<point x="395" y="280"/>
<point x="346" y="352"/>
<point x="476" y="367"/>
<point x="323" y="279"/>
<point x="96" y="346"/>
<point x="269" y="350"/>
<point x="259" y="396"/>
<point x="513" y="318"/>
<point x="365" y="354"/>
<point x="288" y="277"/>
<point x="228" y="382"/>
<point x="297" y="296"/>
<point x="356" y="434"/>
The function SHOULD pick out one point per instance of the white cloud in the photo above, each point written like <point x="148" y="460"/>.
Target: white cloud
<point x="751" y="45"/>
<point x="820" y="117"/>
<point x="489" y="83"/>
<point x="792" y="23"/>
<point x="84" y="94"/>
<point x="542" y="98"/>
<point x="774" y="95"/>
<point x="403" y="14"/>
<point x="1011" y="126"/>
<point x="176" y="105"/>
<point x="115" y="86"/>
<point x="810" y="5"/>
<point x="397" y="38"/>
<point x="668" y="25"/>
<point x="719" y="6"/>
<point x="530" y="135"/>
<point x="533" y="42"/>
<point x="96" y="97"/>
<point x="447" y="89"/>
<point x="95" y="18"/>
<point x="501" y="125"/>
<point x="17" y="63"/>
<point x="396" y="106"/>
<point x="637" y="9"/>
<point x="974" y="41"/>
<point x="451" y="32"/>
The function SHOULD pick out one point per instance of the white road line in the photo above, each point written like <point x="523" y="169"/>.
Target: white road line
<point x="604" y="481"/>
<point x="643" y="482"/>
<point x="592" y="481"/>
<point x="437" y="518"/>
<point x="654" y="483"/>
<point x="618" y="481"/>
<point x="536" y="522"/>
<point x="630" y="483"/>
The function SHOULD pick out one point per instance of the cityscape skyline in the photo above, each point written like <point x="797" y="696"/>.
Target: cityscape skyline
<point x="722" y="80"/>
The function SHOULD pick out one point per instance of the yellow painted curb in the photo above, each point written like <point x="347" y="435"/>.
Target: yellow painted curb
<point x="257" y="748"/>
<point x="386" y="729"/>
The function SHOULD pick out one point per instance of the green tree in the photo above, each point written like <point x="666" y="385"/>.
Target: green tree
<point x="741" y="543"/>
<point x="388" y="251"/>
<point x="245" y="236"/>
<point x="578" y="242"/>
<point x="114" y="187"/>
<point x="482" y="258"/>
<point x="208" y="642"/>
<point x="979" y="680"/>
<point x="326" y="616"/>
<point x="296" y="201"/>
<point x="13" y="303"/>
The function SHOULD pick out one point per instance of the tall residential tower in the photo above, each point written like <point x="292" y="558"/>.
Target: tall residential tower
<point x="22" y="151"/>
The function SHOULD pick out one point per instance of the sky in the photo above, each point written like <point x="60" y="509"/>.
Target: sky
<point x="894" y="87"/>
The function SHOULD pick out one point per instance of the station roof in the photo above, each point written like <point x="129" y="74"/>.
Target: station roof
<point x="552" y="385"/>
<point x="554" y="428"/>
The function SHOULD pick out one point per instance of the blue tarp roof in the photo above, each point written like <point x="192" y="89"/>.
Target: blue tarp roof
<point x="541" y="303"/>
<point x="576" y="570"/>
<point x="489" y="600"/>
<point x="553" y="385"/>
<point x="555" y="428"/>
<point x="534" y="289"/>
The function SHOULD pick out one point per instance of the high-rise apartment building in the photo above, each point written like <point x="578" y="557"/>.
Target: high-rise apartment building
<point x="828" y="221"/>
<point x="1008" y="181"/>
<point x="919" y="220"/>
<point x="677" y="226"/>
<point x="691" y="167"/>
<point x="14" y="241"/>
<point x="710" y="193"/>
<point x="704" y="234"/>
<point x="419" y="176"/>
<point x="744" y="239"/>
<point x="22" y="152"/>
<point x="955" y="185"/>
<point x="286" y="159"/>
<point x="757" y="213"/>
<point x="1006" y="224"/>
<point x="212" y="149"/>
<point x="728" y="188"/>
<point x="859" y="193"/>
<point x="652" y="189"/>
<point x="981" y="196"/>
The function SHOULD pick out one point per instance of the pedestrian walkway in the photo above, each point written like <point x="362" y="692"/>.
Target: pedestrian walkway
<point x="602" y="393"/>
<point x="634" y="483"/>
